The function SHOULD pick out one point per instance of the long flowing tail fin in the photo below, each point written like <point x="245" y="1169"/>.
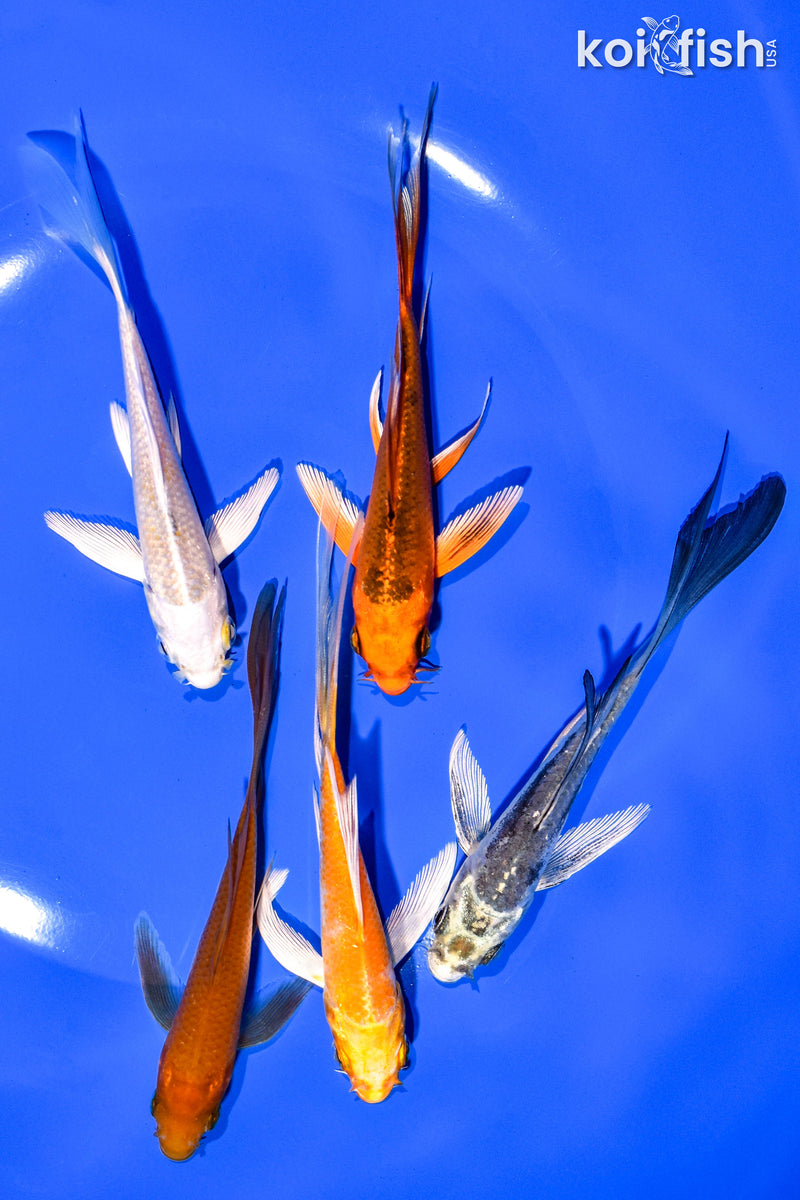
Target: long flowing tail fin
<point x="71" y="207"/>
<point x="263" y="669"/>
<point x="406" y="198"/>
<point x="708" y="549"/>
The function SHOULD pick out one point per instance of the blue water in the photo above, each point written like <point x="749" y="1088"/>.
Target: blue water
<point x="623" y="263"/>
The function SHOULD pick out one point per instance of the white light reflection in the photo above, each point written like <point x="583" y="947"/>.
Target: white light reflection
<point x="12" y="271"/>
<point x="461" y="171"/>
<point x="25" y="917"/>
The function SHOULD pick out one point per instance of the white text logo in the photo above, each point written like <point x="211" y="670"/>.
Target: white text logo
<point x="675" y="53"/>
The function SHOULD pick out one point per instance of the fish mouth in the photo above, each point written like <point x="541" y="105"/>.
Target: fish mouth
<point x="204" y="680"/>
<point x="442" y="970"/>
<point x="177" y="1150"/>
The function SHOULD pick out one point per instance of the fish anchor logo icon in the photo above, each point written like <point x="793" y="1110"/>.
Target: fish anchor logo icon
<point x="664" y="46"/>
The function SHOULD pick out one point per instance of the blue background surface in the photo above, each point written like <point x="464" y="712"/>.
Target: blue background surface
<point x="628" y="277"/>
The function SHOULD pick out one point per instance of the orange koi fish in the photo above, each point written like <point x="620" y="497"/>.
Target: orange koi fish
<point x="362" y="998"/>
<point x="397" y="557"/>
<point x="205" y="1023"/>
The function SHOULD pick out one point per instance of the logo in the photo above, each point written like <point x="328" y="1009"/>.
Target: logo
<point x="674" y="54"/>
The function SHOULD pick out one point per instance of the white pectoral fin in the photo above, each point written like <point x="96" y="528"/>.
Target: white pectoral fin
<point x="469" y="532"/>
<point x="162" y="991"/>
<point x="347" y="812"/>
<point x="287" y="945"/>
<point x="122" y="432"/>
<point x="337" y="512"/>
<point x="273" y="1008"/>
<point x="446" y="459"/>
<point x="469" y="798"/>
<point x="231" y="525"/>
<point x="375" y="422"/>
<point x="409" y="919"/>
<point x="578" y="847"/>
<point x="115" y="549"/>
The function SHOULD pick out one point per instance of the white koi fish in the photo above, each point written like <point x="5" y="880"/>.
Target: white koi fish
<point x="175" y="555"/>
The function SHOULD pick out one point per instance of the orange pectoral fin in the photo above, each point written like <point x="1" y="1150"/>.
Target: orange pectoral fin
<point x="337" y="512"/>
<point x="446" y="459"/>
<point x="469" y="532"/>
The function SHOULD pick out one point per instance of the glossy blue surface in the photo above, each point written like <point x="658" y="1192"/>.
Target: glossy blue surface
<point x="623" y="262"/>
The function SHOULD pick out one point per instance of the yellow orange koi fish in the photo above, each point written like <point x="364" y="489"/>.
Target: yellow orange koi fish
<point x="362" y="998"/>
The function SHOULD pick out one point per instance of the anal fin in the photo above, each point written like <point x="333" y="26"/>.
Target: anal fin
<point x="375" y="422"/>
<point x="174" y="426"/>
<point x="122" y="432"/>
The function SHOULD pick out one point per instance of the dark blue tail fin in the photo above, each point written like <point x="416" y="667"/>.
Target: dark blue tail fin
<point x="708" y="549"/>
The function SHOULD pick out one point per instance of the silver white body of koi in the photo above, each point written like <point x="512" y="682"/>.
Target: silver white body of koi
<point x="175" y="555"/>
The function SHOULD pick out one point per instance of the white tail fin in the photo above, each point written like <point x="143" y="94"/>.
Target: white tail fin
<point x="71" y="208"/>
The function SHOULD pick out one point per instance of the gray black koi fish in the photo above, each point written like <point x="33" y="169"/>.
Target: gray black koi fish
<point x="524" y="851"/>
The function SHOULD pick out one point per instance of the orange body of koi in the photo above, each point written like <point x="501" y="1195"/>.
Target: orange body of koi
<point x="363" y="1002"/>
<point x="362" y="998"/>
<point x="205" y="1023"/>
<point x="398" y="556"/>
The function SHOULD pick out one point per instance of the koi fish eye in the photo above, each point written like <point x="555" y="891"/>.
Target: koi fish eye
<point x="354" y="641"/>
<point x="162" y="649"/>
<point x="153" y="1104"/>
<point x="423" y="643"/>
<point x="228" y="633"/>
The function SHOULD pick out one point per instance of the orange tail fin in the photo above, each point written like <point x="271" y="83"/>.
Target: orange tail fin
<point x="406" y="197"/>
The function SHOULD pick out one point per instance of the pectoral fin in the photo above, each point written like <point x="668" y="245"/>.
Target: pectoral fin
<point x="162" y="991"/>
<point x="122" y="432"/>
<point x="446" y="459"/>
<point x="472" y="812"/>
<point x="290" y="948"/>
<point x="469" y="532"/>
<point x="115" y="549"/>
<point x="375" y="422"/>
<point x="233" y="524"/>
<point x="409" y="918"/>
<point x="274" y="1006"/>
<point x="330" y="502"/>
<point x="578" y="847"/>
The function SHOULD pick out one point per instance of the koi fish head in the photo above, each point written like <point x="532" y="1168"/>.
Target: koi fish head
<point x="461" y="939"/>
<point x="180" y="1128"/>
<point x="393" y="661"/>
<point x="372" y="1055"/>
<point x="195" y="637"/>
